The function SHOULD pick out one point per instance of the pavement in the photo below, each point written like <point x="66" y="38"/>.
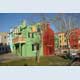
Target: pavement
<point x="8" y="57"/>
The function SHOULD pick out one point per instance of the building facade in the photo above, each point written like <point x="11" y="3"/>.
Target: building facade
<point x="25" y="41"/>
<point x="4" y="46"/>
<point x="73" y="42"/>
<point x="62" y="40"/>
<point x="56" y="40"/>
<point x="48" y="41"/>
<point x="28" y="41"/>
<point x="75" y="39"/>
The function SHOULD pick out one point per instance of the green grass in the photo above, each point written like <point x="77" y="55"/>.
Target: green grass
<point x="44" y="61"/>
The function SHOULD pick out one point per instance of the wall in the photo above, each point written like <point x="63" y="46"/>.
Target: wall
<point x="48" y="41"/>
<point x="56" y="41"/>
<point x="26" y="48"/>
<point x="62" y="40"/>
<point x="74" y="38"/>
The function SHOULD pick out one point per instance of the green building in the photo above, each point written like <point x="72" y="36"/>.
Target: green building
<point x="27" y="40"/>
<point x="56" y="37"/>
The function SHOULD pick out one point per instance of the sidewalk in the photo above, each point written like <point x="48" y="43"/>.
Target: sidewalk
<point x="8" y="57"/>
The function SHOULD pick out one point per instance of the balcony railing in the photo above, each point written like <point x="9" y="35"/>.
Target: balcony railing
<point x="19" y="39"/>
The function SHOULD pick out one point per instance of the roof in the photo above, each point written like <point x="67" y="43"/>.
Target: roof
<point x="59" y="32"/>
<point x="3" y="32"/>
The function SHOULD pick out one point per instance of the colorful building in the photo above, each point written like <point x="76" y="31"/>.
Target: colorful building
<point x="75" y="39"/>
<point x="4" y="46"/>
<point x="48" y="41"/>
<point x="28" y="40"/>
<point x="56" y="40"/>
<point x="62" y="40"/>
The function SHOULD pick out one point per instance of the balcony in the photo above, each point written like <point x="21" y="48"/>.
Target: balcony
<point x="19" y="39"/>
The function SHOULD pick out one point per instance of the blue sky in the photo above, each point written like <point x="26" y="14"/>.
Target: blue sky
<point x="8" y="20"/>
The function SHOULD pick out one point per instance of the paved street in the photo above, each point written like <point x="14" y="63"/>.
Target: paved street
<point x="8" y="57"/>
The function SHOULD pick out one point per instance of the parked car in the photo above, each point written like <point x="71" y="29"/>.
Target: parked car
<point x="73" y="53"/>
<point x="75" y="60"/>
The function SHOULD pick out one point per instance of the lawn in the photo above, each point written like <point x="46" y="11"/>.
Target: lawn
<point x="44" y="61"/>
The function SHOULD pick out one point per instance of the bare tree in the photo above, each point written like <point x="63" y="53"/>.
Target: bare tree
<point x="43" y="21"/>
<point x="65" y="23"/>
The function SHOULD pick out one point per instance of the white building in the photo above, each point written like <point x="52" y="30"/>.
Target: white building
<point x="4" y="47"/>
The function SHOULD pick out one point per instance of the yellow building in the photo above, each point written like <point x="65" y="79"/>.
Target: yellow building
<point x="62" y="40"/>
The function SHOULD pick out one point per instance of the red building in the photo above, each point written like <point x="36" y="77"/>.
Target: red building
<point x="75" y="39"/>
<point x="48" y="41"/>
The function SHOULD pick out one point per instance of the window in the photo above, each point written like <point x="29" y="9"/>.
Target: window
<point x="32" y="47"/>
<point x="2" y="49"/>
<point x="28" y="34"/>
<point x="35" y="47"/>
<point x="6" y="49"/>
<point x="4" y="37"/>
<point x="65" y="40"/>
<point x="32" y="35"/>
<point x="60" y="46"/>
<point x="60" y="36"/>
<point x="60" y="41"/>
<point x="65" y="46"/>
